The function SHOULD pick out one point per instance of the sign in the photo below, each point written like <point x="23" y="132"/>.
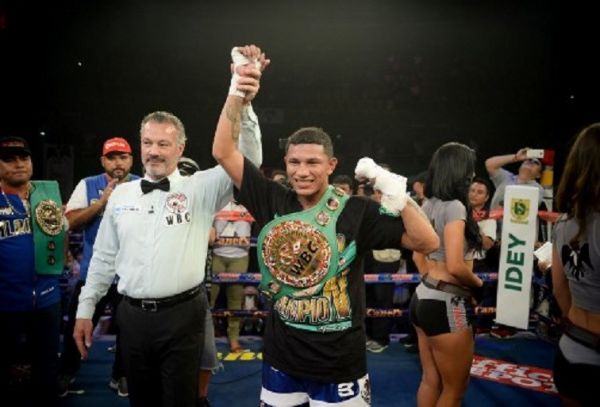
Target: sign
<point x="500" y="371"/>
<point x="519" y="229"/>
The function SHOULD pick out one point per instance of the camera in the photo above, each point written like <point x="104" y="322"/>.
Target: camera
<point x="535" y="153"/>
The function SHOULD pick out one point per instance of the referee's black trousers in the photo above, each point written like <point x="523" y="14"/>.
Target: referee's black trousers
<point x="161" y="352"/>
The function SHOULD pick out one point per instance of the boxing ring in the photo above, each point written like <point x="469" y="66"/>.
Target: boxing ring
<point x="509" y="371"/>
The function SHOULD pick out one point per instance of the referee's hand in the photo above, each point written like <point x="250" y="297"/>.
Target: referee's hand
<point x="82" y="333"/>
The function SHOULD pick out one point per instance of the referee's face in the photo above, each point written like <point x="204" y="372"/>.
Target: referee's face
<point x="160" y="150"/>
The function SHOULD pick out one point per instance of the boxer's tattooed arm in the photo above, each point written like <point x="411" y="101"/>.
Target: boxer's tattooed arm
<point x="233" y="113"/>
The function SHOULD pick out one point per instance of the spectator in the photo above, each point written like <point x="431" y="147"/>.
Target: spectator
<point x="31" y="258"/>
<point x="364" y="189"/>
<point x="280" y="176"/>
<point x="84" y="211"/>
<point x="381" y="295"/>
<point x="232" y="227"/>
<point x="344" y="182"/>
<point x="479" y="201"/>
<point x="417" y="184"/>
<point x="529" y="171"/>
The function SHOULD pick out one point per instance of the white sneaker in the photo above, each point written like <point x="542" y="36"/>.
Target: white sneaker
<point x="376" y="347"/>
<point x="64" y="381"/>
<point x="120" y="386"/>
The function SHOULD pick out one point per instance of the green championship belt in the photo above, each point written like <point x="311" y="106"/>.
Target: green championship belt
<point x="48" y="227"/>
<point x="298" y="254"/>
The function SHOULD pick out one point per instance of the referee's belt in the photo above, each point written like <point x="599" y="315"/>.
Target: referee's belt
<point x="582" y="336"/>
<point x="445" y="287"/>
<point x="157" y="304"/>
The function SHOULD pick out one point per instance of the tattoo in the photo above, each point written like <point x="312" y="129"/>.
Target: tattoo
<point x="233" y="113"/>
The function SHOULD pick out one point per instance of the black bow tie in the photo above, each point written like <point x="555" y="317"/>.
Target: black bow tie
<point x="148" y="186"/>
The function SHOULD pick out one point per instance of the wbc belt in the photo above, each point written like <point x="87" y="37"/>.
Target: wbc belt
<point x="48" y="227"/>
<point x="298" y="254"/>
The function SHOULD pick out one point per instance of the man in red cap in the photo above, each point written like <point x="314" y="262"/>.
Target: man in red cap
<point x="116" y="145"/>
<point x="84" y="211"/>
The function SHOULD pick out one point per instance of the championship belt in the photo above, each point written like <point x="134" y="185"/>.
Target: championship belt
<point x="298" y="253"/>
<point x="48" y="227"/>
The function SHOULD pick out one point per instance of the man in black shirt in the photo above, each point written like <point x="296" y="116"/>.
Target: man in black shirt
<point x="309" y="251"/>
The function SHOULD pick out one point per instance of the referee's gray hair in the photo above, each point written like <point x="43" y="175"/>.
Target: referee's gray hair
<point x="166" y="117"/>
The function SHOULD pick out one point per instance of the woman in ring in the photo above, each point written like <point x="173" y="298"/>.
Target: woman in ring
<point x="441" y="304"/>
<point x="576" y="271"/>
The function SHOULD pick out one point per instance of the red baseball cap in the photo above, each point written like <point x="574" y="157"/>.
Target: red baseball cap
<point x="116" y="145"/>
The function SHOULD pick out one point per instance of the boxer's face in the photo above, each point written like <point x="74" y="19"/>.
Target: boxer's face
<point x="308" y="168"/>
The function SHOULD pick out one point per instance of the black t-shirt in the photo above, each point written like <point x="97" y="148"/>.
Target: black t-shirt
<point x="330" y="357"/>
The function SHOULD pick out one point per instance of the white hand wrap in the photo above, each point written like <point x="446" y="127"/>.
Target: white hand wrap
<point x="366" y="168"/>
<point x="393" y="189"/>
<point x="238" y="60"/>
<point x="392" y="186"/>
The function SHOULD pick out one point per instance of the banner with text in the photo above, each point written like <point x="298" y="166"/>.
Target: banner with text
<point x="516" y="255"/>
<point x="502" y="371"/>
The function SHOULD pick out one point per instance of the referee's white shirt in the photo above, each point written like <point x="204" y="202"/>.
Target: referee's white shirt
<point x="157" y="242"/>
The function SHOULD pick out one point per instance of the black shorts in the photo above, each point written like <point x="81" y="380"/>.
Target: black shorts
<point x="437" y="312"/>
<point x="576" y="381"/>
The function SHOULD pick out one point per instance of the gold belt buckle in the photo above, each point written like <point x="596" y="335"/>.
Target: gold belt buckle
<point x="49" y="217"/>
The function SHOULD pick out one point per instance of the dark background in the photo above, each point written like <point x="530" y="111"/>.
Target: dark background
<point x="389" y="79"/>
